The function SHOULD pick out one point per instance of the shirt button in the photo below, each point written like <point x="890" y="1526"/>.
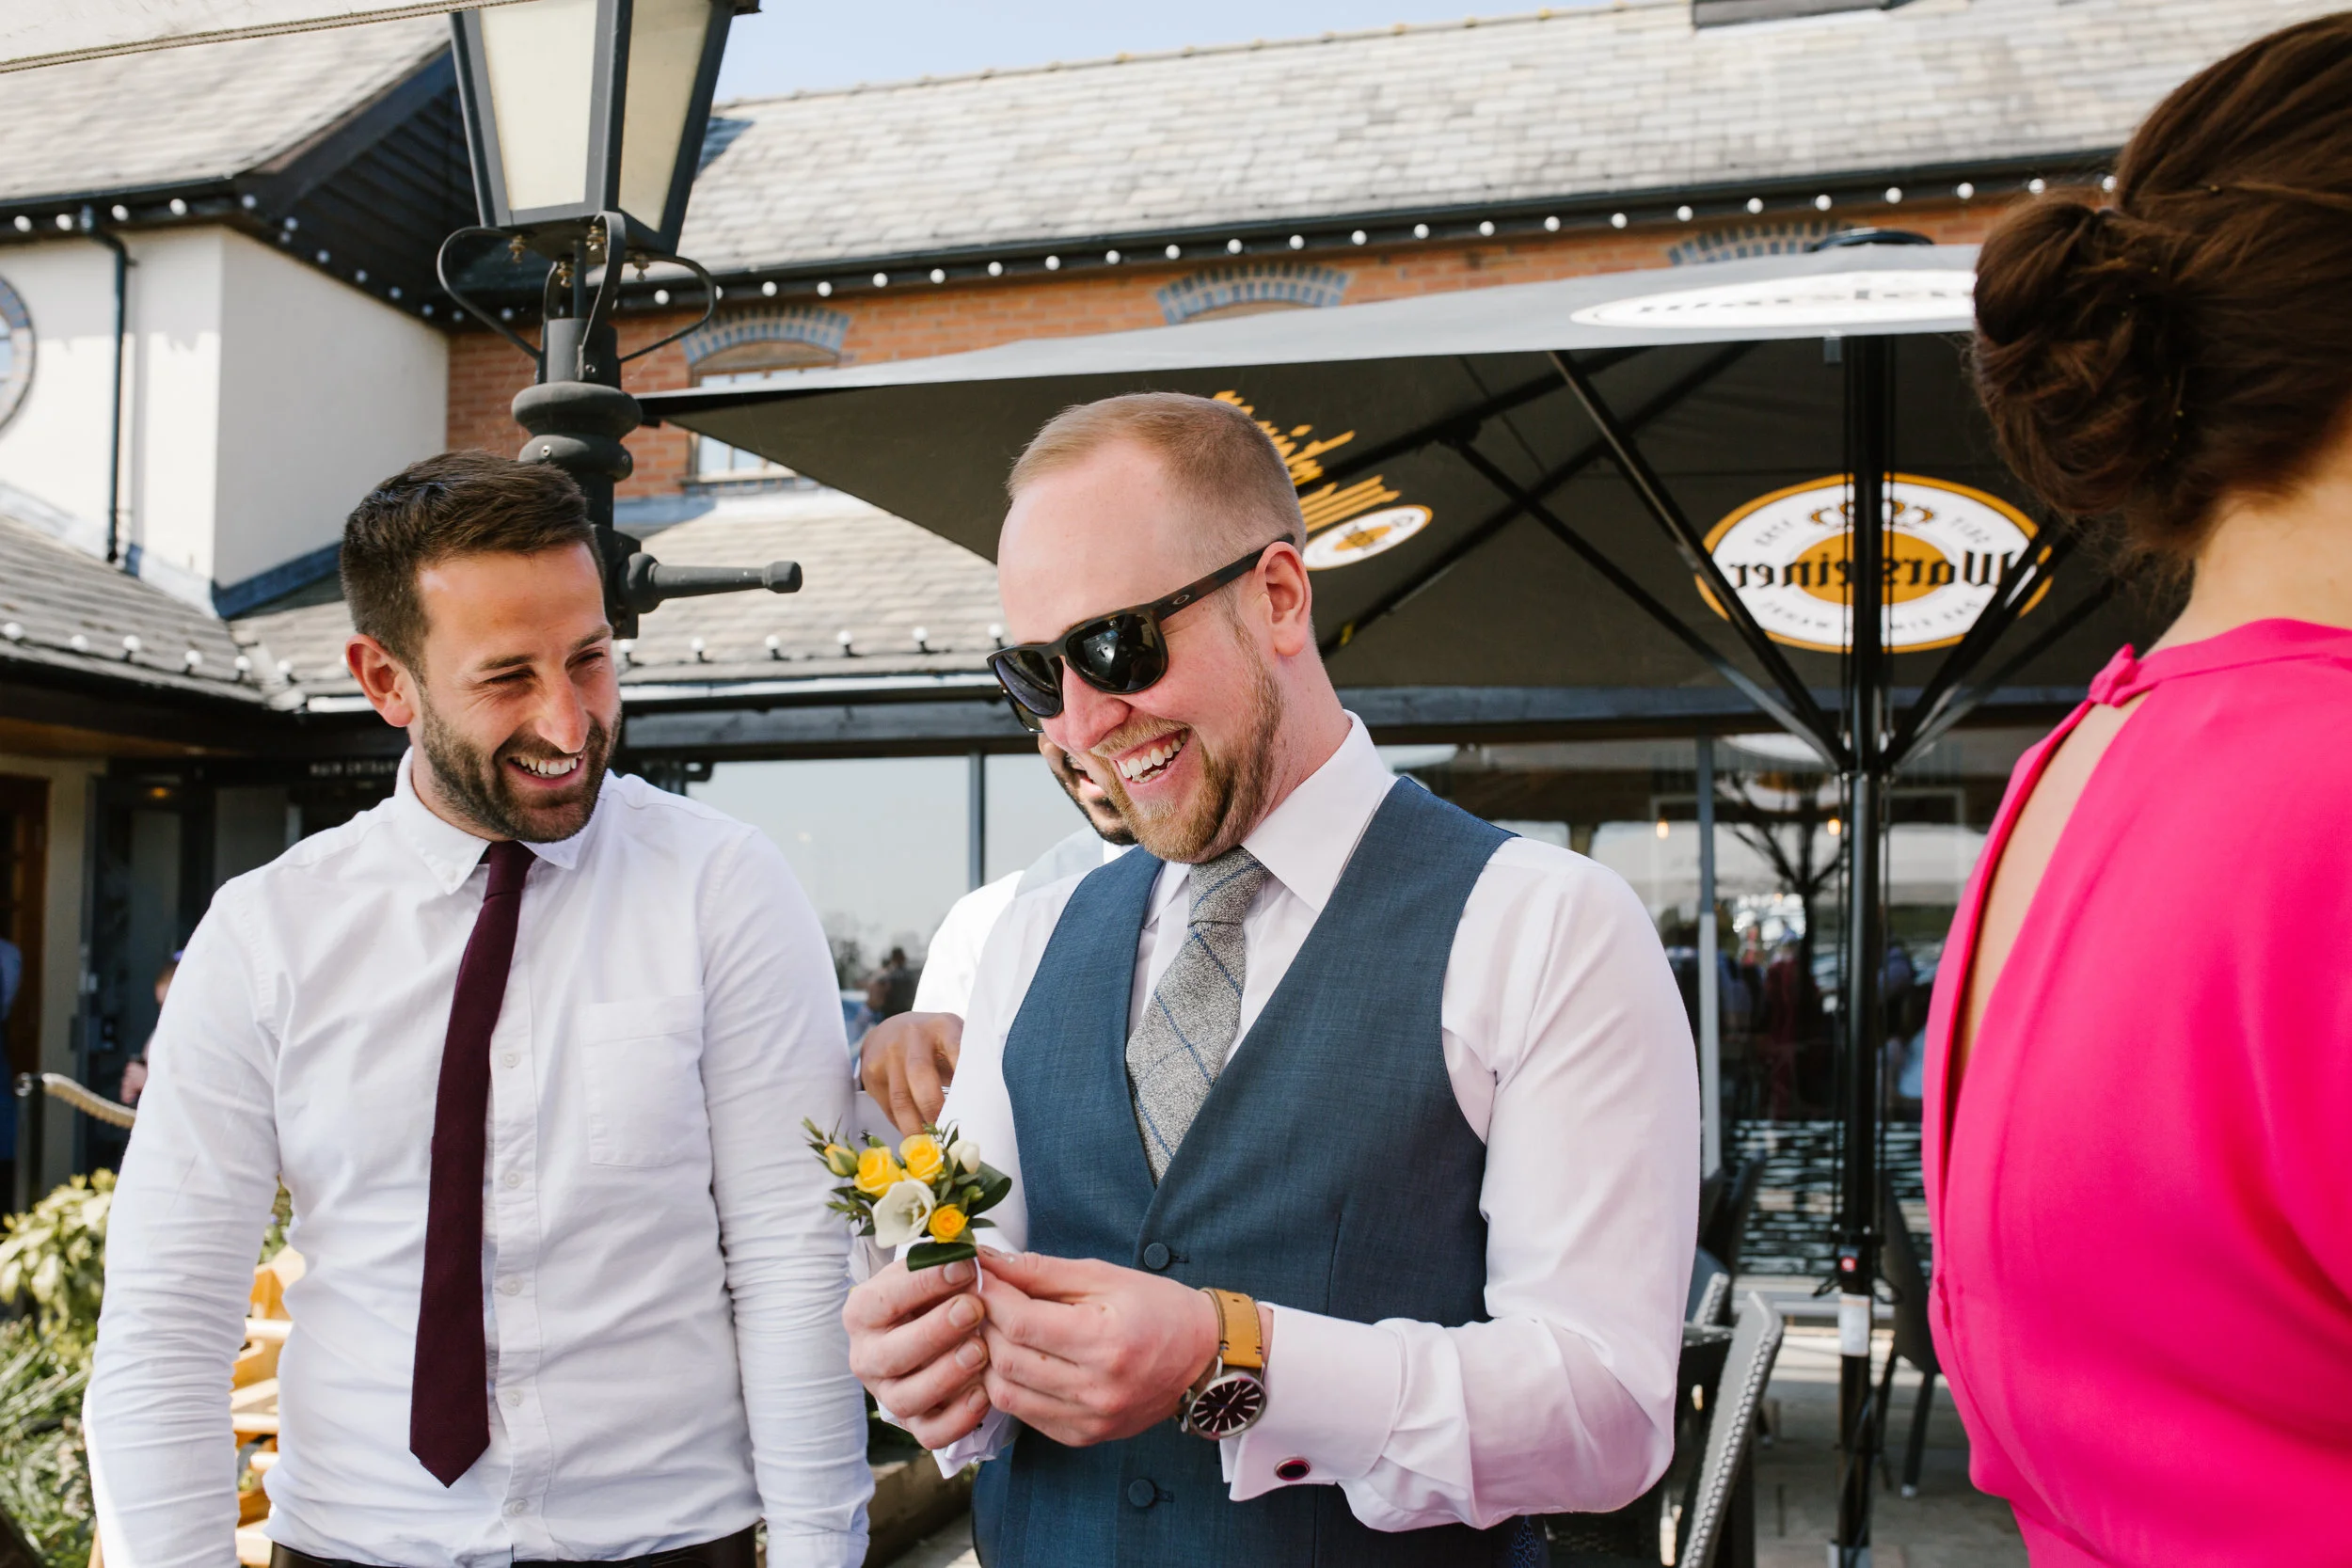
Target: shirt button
<point x="1293" y="1469"/>
<point x="510" y="1286"/>
<point x="510" y="1058"/>
<point x="513" y="1179"/>
<point x="1142" y="1493"/>
<point x="516" y="1507"/>
<point x="514" y="1396"/>
<point x="1155" y="1256"/>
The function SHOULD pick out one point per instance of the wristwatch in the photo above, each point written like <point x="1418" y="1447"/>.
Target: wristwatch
<point x="1227" y="1399"/>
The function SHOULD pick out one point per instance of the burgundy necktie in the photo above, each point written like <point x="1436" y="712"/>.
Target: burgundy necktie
<point x="448" y="1400"/>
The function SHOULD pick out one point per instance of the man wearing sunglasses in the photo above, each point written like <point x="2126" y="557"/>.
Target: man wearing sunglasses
<point x="1348" y="1132"/>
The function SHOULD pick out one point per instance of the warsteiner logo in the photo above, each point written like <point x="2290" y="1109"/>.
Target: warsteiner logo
<point x="1325" y="504"/>
<point x="1790" y="558"/>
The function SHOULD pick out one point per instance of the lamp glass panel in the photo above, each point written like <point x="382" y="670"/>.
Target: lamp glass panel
<point x="665" y="54"/>
<point x="541" y="57"/>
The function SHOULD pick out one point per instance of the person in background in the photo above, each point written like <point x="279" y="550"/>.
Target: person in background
<point x="890" y="991"/>
<point x="1356" y="1139"/>
<point x="2139" y="1055"/>
<point x="907" y="1065"/>
<point x="528" y="1044"/>
<point x="135" y="1071"/>
<point x="11" y="976"/>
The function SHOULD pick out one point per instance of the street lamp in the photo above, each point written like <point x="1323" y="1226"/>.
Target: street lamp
<point x="585" y="121"/>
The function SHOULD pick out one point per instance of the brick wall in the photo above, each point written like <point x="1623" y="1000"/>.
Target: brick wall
<point x="911" y="320"/>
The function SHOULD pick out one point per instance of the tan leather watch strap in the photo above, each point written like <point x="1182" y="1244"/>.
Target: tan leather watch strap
<point x="1238" y="1344"/>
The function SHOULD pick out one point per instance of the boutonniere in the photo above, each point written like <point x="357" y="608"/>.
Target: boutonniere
<point x="932" y="1189"/>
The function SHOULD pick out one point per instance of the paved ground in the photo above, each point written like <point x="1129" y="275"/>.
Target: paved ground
<point x="1948" y="1524"/>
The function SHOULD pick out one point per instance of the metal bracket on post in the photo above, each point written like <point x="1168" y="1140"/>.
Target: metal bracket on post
<point x="579" y="417"/>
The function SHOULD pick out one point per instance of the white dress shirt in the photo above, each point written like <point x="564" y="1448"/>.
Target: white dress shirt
<point x="1571" y="1057"/>
<point x="661" y="1284"/>
<point x="952" y="965"/>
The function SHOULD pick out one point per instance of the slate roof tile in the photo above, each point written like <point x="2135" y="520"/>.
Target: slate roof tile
<point x="1522" y="109"/>
<point x="50" y="593"/>
<point x="200" y="113"/>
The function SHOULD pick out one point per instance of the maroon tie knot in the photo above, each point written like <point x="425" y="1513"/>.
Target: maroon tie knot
<point x="509" y="861"/>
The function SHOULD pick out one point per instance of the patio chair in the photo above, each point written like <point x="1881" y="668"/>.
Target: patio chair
<point x="1727" y="1229"/>
<point x="1711" y="1290"/>
<point x="1719" y="1520"/>
<point x="1629" y="1537"/>
<point x="1899" y="1262"/>
<point x="1712" y="1196"/>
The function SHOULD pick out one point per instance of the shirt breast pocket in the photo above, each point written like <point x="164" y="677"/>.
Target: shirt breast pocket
<point x="645" y="1080"/>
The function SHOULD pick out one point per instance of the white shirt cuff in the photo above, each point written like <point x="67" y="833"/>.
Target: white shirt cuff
<point x="828" y="1550"/>
<point x="983" y="1442"/>
<point x="1332" y="1387"/>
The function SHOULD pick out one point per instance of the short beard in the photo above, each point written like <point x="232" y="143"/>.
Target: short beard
<point x="475" y="784"/>
<point x="1232" y="790"/>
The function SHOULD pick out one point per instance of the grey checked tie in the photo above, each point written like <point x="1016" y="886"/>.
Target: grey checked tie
<point x="1179" y="1047"/>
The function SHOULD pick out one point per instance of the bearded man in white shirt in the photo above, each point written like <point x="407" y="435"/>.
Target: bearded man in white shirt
<point x="1348" y="1131"/>
<point x="525" y="1043"/>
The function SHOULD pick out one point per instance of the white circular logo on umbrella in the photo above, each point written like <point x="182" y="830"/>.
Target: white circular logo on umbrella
<point x="1831" y="300"/>
<point x="1788" y="556"/>
<point x="1361" y="538"/>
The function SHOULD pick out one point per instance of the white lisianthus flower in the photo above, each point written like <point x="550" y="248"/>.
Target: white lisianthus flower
<point x="967" y="1154"/>
<point x="900" y="1214"/>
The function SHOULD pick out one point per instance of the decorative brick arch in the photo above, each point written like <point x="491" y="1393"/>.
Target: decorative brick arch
<point x="1754" y="239"/>
<point x="1248" y="285"/>
<point x="765" y="336"/>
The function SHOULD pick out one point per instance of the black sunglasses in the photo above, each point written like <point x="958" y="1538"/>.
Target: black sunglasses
<point x="1120" y="653"/>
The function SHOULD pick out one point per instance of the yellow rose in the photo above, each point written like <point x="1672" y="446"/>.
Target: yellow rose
<point x="877" y="1172"/>
<point x="840" y="1160"/>
<point x="948" y="1223"/>
<point x="924" y="1158"/>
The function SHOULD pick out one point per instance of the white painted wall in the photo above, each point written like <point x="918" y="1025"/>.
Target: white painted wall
<point x="264" y="399"/>
<point x="172" y="406"/>
<point x="54" y="448"/>
<point x="324" y="392"/>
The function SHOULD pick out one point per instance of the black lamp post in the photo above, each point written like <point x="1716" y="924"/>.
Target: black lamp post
<point x="584" y="120"/>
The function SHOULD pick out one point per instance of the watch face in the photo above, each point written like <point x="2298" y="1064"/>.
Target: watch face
<point x="1228" y="1405"/>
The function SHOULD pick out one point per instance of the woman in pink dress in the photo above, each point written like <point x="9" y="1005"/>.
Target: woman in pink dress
<point x="2140" y="1102"/>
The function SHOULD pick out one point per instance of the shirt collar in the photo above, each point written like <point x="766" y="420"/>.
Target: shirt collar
<point x="1305" y="841"/>
<point x="447" y="850"/>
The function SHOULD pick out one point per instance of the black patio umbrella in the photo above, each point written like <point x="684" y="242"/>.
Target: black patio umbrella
<point x="1635" y="487"/>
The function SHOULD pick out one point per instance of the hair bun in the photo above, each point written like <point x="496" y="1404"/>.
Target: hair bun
<point x="2075" y="350"/>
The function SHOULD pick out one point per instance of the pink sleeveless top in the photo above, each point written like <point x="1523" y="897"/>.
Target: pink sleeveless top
<point x="2142" y="1198"/>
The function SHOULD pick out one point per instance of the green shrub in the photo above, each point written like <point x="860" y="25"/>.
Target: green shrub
<point x="53" y="1266"/>
<point x="56" y="1256"/>
<point x="44" y="1478"/>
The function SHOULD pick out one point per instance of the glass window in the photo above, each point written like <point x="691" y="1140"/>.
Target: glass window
<point x="878" y="843"/>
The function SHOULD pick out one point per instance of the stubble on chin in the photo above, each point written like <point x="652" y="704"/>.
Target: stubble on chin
<point x="1232" y="794"/>
<point x="473" y="783"/>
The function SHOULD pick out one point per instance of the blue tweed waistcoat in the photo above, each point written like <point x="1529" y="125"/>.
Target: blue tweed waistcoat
<point x="1329" y="1170"/>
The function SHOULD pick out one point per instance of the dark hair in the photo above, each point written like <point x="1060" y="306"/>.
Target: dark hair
<point x="2193" y="340"/>
<point x="458" y="503"/>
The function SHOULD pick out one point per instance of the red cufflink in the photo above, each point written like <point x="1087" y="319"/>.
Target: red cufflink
<point x="1293" y="1469"/>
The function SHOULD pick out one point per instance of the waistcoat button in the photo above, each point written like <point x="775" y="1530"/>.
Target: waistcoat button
<point x="1142" y="1493"/>
<point x="1155" y="1256"/>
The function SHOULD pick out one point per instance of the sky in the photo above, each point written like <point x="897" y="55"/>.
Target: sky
<point x="797" y="44"/>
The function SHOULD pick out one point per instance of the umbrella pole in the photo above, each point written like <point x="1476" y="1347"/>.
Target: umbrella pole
<point x="1869" y="421"/>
